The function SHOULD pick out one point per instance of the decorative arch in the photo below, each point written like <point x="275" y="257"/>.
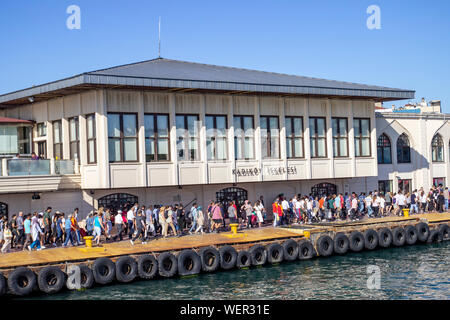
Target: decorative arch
<point x="225" y="196"/>
<point x="437" y="148"/>
<point x="3" y="209"/>
<point x="117" y="201"/>
<point x="384" y="150"/>
<point x="403" y="149"/>
<point x="323" y="189"/>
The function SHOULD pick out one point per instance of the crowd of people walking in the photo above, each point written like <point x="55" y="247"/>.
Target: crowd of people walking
<point x="38" y="231"/>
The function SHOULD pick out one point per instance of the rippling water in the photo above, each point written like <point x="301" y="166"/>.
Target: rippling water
<point x="417" y="272"/>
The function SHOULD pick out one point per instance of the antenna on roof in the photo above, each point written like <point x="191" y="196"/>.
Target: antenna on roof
<point x="159" y="38"/>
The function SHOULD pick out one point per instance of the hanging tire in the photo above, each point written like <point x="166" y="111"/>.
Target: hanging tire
<point x="244" y="259"/>
<point x="275" y="252"/>
<point x="147" y="266"/>
<point x="435" y="236"/>
<point x="258" y="254"/>
<point x="210" y="258"/>
<point x="51" y="279"/>
<point x="411" y="235"/>
<point x="189" y="263"/>
<point x="290" y="250"/>
<point x="325" y="246"/>
<point x="370" y="239"/>
<point x="305" y="250"/>
<point x="444" y="230"/>
<point x="21" y="281"/>
<point x="357" y="242"/>
<point x="126" y="269"/>
<point x="167" y="264"/>
<point x="398" y="236"/>
<point x="228" y="257"/>
<point x="341" y="243"/>
<point x="2" y="285"/>
<point x="385" y="237"/>
<point x="87" y="277"/>
<point x="423" y="231"/>
<point x="104" y="270"/>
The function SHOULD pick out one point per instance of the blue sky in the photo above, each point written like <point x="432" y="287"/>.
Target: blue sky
<point x="326" y="39"/>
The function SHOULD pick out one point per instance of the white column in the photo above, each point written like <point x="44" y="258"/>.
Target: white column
<point x="230" y="136"/>
<point x="101" y="127"/>
<point x="306" y="138"/>
<point x="65" y="138"/>
<point x="351" y="139"/>
<point x="203" y="153"/>
<point x="283" y="156"/>
<point x="50" y="153"/>
<point x="4" y="167"/>
<point x="330" y="138"/>
<point x="83" y="139"/>
<point x="141" y="140"/>
<point x="258" y="156"/>
<point x="173" y="138"/>
<point x="373" y="139"/>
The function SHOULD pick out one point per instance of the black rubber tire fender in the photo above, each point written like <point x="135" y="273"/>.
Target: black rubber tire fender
<point x="275" y="252"/>
<point x="87" y="277"/>
<point x="189" y="263"/>
<point x="210" y="258"/>
<point x="3" y="285"/>
<point x="126" y="269"/>
<point x="411" y="235"/>
<point x="259" y="254"/>
<point x="341" y="243"/>
<point x="244" y="259"/>
<point x="290" y="250"/>
<point x="357" y="242"/>
<point x="104" y="270"/>
<point x="228" y="257"/>
<point x="423" y="231"/>
<point x="51" y="279"/>
<point x="398" y="236"/>
<point x="435" y="236"/>
<point x="325" y="246"/>
<point x="22" y="281"/>
<point x="444" y="230"/>
<point x="167" y="264"/>
<point x="147" y="266"/>
<point x="370" y="239"/>
<point x="305" y="250"/>
<point x="384" y="237"/>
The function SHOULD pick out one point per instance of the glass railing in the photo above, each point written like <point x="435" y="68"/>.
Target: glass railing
<point x="26" y="167"/>
<point x="64" y="167"/>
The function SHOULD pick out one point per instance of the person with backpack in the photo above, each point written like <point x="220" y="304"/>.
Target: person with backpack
<point x="90" y="224"/>
<point x="139" y="227"/>
<point x="193" y="217"/>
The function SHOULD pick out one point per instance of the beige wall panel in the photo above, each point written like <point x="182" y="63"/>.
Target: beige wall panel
<point x="89" y="102"/>
<point x="187" y="103"/>
<point x="156" y="102"/>
<point x="317" y="108"/>
<point x="216" y="104"/>
<point x="12" y="112"/>
<point x="191" y="174"/>
<point x="123" y="176"/>
<point x="294" y="106"/>
<point x="364" y="167"/>
<point x="39" y="112"/>
<point x="439" y="170"/>
<point x="244" y="105"/>
<point x="269" y="106"/>
<point x="339" y="108"/>
<point x="90" y="174"/>
<point x="220" y="173"/>
<point x="363" y="109"/>
<point x="160" y="175"/>
<point x="122" y="101"/>
<point x="72" y="106"/>
<point x="320" y="169"/>
<point x="55" y="109"/>
<point x="246" y="166"/>
<point x="342" y="168"/>
<point x="299" y="169"/>
<point x="26" y="112"/>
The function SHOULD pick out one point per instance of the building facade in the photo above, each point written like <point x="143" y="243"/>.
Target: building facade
<point x="165" y="131"/>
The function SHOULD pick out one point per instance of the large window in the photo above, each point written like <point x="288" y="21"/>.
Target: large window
<point x="340" y="137"/>
<point x="361" y="128"/>
<point x="216" y="137"/>
<point x="404" y="185"/>
<point x="243" y="137"/>
<point x="91" y="139"/>
<point x="156" y="137"/>
<point x="187" y="137"/>
<point x="294" y="137"/>
<point x="403" y="149"/>
<point x="41" y="129"/>
<point x="437" y="149"/>
<point x="438" y="182"/>
<point x="318" y="140"/>
<point x="270" y="137"/>
<point x="384" y="149"/>
<point x="122" y="137"/>
<point x="385" y="186"/>
<point x="57" y="140"/>
<point x="74" y="138"/>
<point x="15" y="139"/>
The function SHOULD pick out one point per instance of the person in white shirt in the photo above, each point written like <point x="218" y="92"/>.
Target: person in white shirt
<point x="118" y="221"/>
<point x="259" y="209"/>
<point x="368" y="201"/>
<point x="130" y="218"/>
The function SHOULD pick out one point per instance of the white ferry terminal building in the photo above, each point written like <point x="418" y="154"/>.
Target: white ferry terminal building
<point x="165" y="131"/>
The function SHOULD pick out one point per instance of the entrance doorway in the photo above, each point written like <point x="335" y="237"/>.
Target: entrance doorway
<point x="225" y="196"/>
<point x="323" y="189"/>
<point x="117" y="201"/>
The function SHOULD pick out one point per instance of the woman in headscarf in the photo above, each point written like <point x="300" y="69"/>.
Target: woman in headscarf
<point x="36" y="232"/>
<point x="200" y="220"/>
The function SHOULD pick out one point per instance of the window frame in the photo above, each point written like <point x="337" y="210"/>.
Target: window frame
<point x="338" y="137"/>
<point x="433" y="159"/>
<point x="241" y="139"/>
<point x="391" y="189"/>
<point x="93" y="138"/>
<point x="122" y="137"/>
<point x="292" y="137"/>
<point x="269" y="136"/>
<point x="360" y="137"/>
<point x="59" y="144"/>
<point x="77" y="134"/>
<point x="156" y="137"/>
<point x="382" y="150"/>
<point x="41" y="125"/>
<point x="315" y="138"/>
<point x="215" y="136"/>
<point x="186" y="136"/>
<point x="400" y="151"/>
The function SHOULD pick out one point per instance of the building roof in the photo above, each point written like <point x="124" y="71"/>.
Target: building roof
<point x="182" y="76"/>
<point x="12" y="120"/>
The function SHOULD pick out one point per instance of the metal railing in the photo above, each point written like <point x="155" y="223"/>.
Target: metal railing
<point x="29" y="167"/>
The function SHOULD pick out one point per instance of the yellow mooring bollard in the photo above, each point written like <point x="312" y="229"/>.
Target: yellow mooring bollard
<point x="88" y="241"/>
<point x="234" y="227"/>
<point x="406" y="213"/>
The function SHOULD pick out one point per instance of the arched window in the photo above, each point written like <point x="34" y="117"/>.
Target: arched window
<point x="403" y="149"/>
<point x="384" y="149"/>
<point x="3" y="209"/>
<point x="225" y="196"/>
<point x="117" y="201"/>
<point x="437" y="149"/>
<point x="323" y="189"/>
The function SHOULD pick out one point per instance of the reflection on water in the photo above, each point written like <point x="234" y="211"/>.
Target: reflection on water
<point x="417" y="272"/>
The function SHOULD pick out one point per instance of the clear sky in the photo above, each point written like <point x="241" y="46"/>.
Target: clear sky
<point x="325" y="39"/>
